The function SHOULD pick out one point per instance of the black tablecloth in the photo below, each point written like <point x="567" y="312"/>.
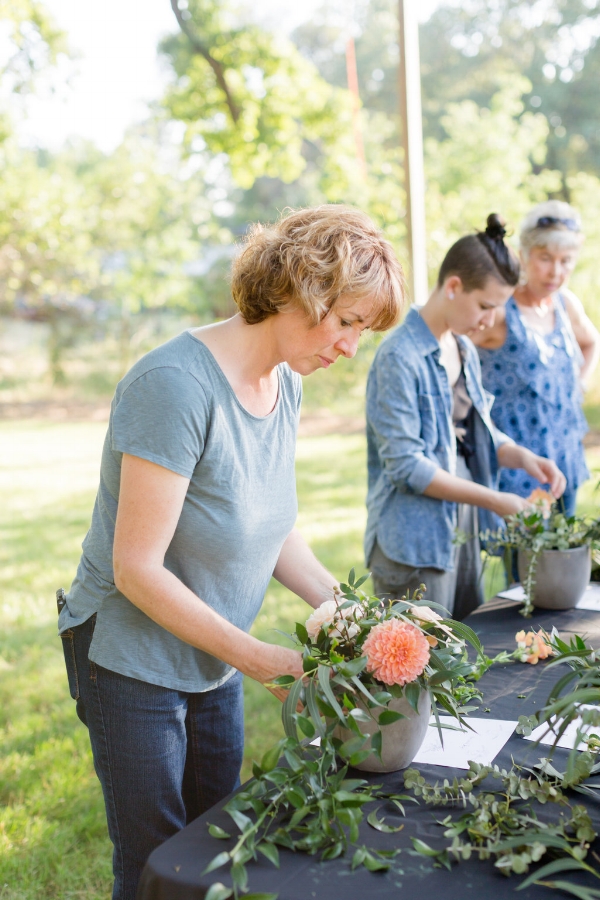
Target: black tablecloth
<point x="173" y="871"/>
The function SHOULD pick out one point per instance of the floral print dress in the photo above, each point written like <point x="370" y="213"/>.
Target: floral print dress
<point x="535" y="381"/>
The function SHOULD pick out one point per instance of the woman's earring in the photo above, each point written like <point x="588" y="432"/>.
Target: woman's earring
<point x="450" y="295"/>
<point x="522" y="278"/>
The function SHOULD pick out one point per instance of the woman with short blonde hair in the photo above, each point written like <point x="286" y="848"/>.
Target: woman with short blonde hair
<point x="195" y="513"/>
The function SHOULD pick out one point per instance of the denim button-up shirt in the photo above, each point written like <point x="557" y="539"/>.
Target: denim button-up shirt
<point x="410" y="436"/>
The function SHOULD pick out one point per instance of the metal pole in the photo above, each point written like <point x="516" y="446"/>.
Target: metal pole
<point x="412" y="144"/>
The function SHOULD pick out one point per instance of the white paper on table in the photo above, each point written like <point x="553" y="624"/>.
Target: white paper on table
<point x="513" y="593"/>
<point x="481" y="745"/>
<point x="569" y="736"/>
<point x="590" y="599"/>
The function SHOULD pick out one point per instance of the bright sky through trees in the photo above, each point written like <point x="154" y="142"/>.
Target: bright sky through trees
<point x="116" y="71"/>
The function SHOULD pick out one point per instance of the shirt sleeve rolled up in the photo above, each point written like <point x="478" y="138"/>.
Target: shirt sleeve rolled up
<point x="394" y="416"/>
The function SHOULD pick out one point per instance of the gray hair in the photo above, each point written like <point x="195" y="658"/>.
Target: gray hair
<point x="552" y="223"/>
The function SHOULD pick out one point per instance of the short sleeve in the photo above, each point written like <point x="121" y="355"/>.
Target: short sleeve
<point x="162" y="416"/>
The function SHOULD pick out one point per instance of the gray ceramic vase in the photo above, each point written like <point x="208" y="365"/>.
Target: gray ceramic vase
<point x="561" y="576"/>
<point x="400" y="741"/>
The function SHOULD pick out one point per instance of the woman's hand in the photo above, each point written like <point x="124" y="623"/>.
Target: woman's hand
<point x="513" y="456"/>
<point x="546" y="472"/>
<point x="506" y="504"/>
<point x="279" y="661"/>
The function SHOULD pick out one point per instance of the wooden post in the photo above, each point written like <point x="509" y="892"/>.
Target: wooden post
<point x="412" y="143"/>
<point x="352" y="75"/>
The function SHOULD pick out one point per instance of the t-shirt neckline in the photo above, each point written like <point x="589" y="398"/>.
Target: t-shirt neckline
<point x="226" y="381"/>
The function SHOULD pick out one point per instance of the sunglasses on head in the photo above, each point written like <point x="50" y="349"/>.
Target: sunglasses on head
<point x="549" y="221"/>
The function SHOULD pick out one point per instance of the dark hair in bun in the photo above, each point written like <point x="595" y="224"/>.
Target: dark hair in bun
<point x="477" y="257"/>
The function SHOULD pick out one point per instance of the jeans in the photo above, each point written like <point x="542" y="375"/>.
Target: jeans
<point x="163" y="757"/>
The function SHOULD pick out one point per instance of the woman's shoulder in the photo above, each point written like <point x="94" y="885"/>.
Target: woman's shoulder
<point x="178" y="365"/>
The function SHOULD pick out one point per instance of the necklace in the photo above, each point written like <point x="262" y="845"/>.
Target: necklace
<point x="540" y="309"/>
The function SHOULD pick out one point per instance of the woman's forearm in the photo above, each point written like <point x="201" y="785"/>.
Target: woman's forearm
<point x="299" y="570"/>
<point x="444" y="486"/>
<point x="591" y="354"/>
<point x="169" y="603"/>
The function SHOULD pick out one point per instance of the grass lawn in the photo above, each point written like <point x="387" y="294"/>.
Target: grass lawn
<point x="53" y="840"/>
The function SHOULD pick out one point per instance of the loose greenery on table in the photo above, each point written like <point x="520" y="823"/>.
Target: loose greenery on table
<point x="541" y="527"/>
<point x="303" y="799"/>
<point x="359" y="653"/>
<point x="500" y="823"/>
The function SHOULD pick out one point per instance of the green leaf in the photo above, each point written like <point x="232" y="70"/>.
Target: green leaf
<point x="349" y="798"/>
<point x="375" y="865"/>
<point x="557" y="865"/>
<point x="301" y="633"/>
<point x="412" y="692"/>
<point x="352" y="745"/>
<point x="283" y="680"/>
<point x="271" y="852"/>
<point x="219" y="860"/>
<point x="241" y="820"/>
<point x="218" y="891"/>
<point x="359" y="857"/>
<point x="313" y="709"/>
<point x="466" y="634"/>
<point x="296" y="798"/>
<point x="288" y="712"/>
<point x="583" y="893"/>
<point x="309" y="664"/>
<point x="351" y="577"/>
<point x="239" y="876"/>
<point x="271" y="757"/>
<point x="324" y="673"/>
<point x="358" y="683"/>
<point x="388" y="717"/>
<point x="357" y="758"/>
<point x="260" y="896"/>
<point x="217" y="832"/>
<point x="379" y="824"/>
<point x="423" y="848"/>
<point x="352" y="667"/>
<point x="377" y="743"/>
<point x="298" y="816"/>
<point x="306" y="726"/>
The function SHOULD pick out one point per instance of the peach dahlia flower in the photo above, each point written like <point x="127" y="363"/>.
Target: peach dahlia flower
<point x="397" y="652"/>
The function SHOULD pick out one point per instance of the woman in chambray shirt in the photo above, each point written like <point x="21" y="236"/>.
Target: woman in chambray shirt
<point x="433" y="451"/>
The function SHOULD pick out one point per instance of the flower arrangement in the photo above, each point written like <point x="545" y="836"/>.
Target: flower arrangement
<point x="359" y="653"/>
<point x="533" y="646"/>
<point x="540" y="527"/>
<point x="359" y="648"/>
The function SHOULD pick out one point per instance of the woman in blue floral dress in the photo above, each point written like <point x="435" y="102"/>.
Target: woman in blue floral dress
<point x="540" y="351"/>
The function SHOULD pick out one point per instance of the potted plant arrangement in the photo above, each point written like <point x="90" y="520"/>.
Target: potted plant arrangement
<point x="374" y="669"/>
<point x="554" y="552"/>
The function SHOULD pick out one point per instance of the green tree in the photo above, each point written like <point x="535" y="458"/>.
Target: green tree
<point x="491" y="160"/>
<point x="469" y="49"/>
<point x="82" y="227"/>
<point x="253" y="97"/>
<point x="33" y="40"/>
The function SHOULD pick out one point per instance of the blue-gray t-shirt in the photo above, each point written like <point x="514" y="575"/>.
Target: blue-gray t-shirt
<point x="176" y="408"/>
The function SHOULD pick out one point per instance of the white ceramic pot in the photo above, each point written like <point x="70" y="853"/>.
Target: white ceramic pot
<point x="400" y="741"/>
<point x="561" y="576"/>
